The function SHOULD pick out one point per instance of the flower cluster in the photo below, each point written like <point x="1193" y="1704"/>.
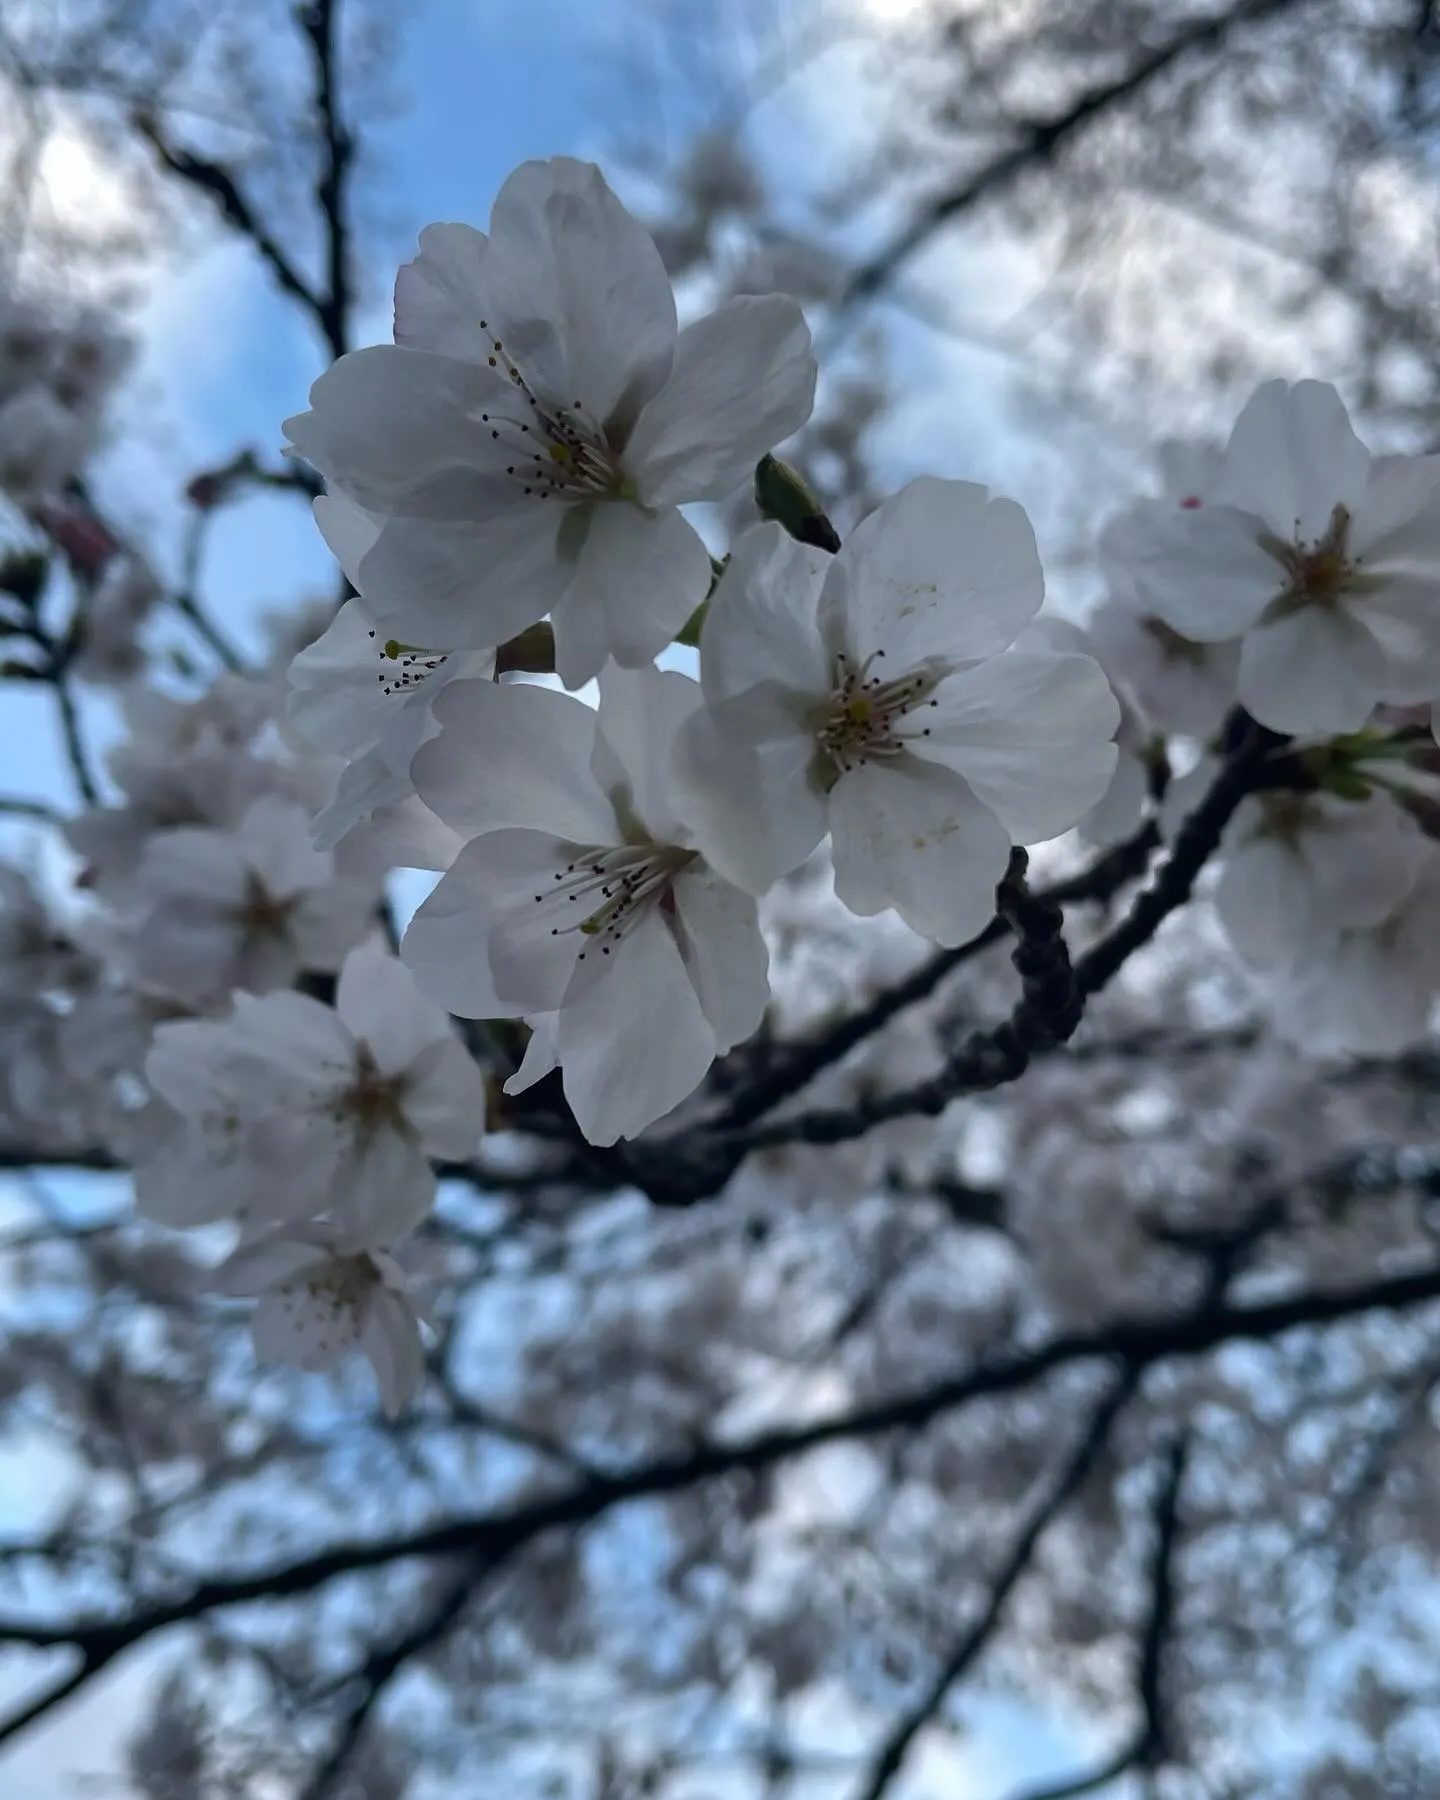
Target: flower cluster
<point x="616" y="750"/>
<point x="522" y="451"/>
<point x="55" y="378"/>
<point x="1297" y="577"/>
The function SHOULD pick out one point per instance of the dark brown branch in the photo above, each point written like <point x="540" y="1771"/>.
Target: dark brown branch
<point x="381" y="1667"/>
<point x="994" y="1057"/>
<point x="973" y="1640"/>
<point x="1039" y="140"/>
<point x="797" y="1065"/>
<point x="1146" y="1746"/>
<point x="320" y="22"/>
<point x="225" y="195"/>
<point x="1137" y="1342"/>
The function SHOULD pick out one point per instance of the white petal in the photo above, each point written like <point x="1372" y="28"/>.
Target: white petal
<point x="1399" y="522"/>
<point x="201" y="865"/>
<point x="1293" y="457"/>
<point x="542" y="1053"/>
<point x="762" y="623"/>
<point x="378" y="1000"/>
<point x="569" y="267"/>
<point x="911" y="835"/>
<point x="348" y="530"/>
<point x="719" y="937"/>
<point x="437" y="295"/>
<point x="1030" y="733"/>
<point x="401" y="431"/>
<point x="304" y="1326"/>
<point x="638" y="578"/>
<point x="633" y="1040"/>
<point x="399" y="834"/>
<point x="511" y="753"/>
<point x="1316" y="670"/>
<point x="751" y="803"/>
<point x="1365" y="862"/>
<point x="1206" y="574"/>
<point x="383" y="1188"/>
<point x="445" y="944"/>
<point x="365" y="787"/>
<point x="274" y="838"/>
<point x="535" y="935"/>
<point x="390" y="1338"/>
<point x="287" y="1046"/>
<point x="743" y="381"/>
<point x="469" y="584"/>
<point x="273" y="1258"/>
<point x="640" y="714"/>
<point x="1265" y="899"/>
<point x="445" y="1100"/>
<point x="939" y="570"/>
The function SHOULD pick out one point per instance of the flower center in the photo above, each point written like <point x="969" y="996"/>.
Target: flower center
<point x="1286" y="817"/>
<point x="560" y="451"/>
<point x="608" y="889"/>
<point x="1318" y="574"/>
<point x="263" y="915"/>
<point x="343" y="1284"/>
<point x="404" y="667"/>
<point x="861" y="718"/>
<point x="372" y="1102"/>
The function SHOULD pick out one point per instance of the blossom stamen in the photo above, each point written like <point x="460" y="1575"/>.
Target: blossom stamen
<point x="575" y="461"/>
<point x="861" y="718"/>
<point x="618" y="885"/>
<point x="1320" y="574"/>
<point x="403" y="667"/>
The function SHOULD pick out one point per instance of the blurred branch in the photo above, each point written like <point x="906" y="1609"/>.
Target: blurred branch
<point x="219" y="185"/>
<point x="1040" y="140"/>
<point x="327" y="301"/>
<point x="382" y="1666"/>
<point x="973" y="1640"/>
<point x="1147" y="1745"/>
<point x="320" y="21"/>
<point x="1137" y="1342"/>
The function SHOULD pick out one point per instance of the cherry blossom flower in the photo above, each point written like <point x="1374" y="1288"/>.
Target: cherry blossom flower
<point x="1299" y="867"/>
<point x="867" y="695"/>
<point x="322" y="1295"/>
<point x="527" y="441"/>
<point x="1181" y="685"/>
<point x="292" y="1109"/>
<point x="1322" y="559"/>
<point x="1119" y="810"/>
<point x="366" y="698"/>
<point x="248" y="908"/>
<point x="598" y="909"/>
<point x="1369" y="990"/>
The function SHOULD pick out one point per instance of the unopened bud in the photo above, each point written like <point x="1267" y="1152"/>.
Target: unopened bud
<point x="784" y="495"/>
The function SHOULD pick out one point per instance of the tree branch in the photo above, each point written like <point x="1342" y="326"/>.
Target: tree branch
<point x="1041" y="139"/>
<point x="1136" y="1342"/>
<point x="381" y="1667"/>
<point x="1146" y="1745"/>
<point x="992" y="1058"/>
<point x="224" y="193"/>
<point x="972" y="1641"/>
<point x="320" y="22"/>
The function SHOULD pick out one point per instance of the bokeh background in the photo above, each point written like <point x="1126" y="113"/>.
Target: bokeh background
<point x="1036" y="237"/>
